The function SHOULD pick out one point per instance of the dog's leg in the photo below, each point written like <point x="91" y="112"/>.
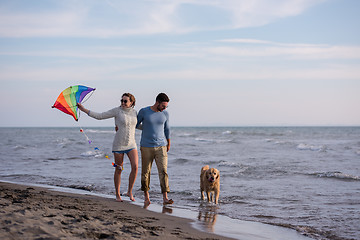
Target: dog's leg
<point x="216" y="196"/>
<point x="202" y="188"/>
<point x="208" y="196"/>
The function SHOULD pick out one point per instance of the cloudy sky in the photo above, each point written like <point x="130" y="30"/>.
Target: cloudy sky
<point x="222" y="62"/>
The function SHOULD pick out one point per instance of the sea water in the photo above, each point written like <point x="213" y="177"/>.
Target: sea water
<point x="303" y="178"/>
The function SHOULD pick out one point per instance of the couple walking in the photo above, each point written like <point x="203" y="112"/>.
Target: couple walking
<point x="154" y="143"/>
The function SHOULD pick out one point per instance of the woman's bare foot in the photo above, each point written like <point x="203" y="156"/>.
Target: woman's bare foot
<point x="118" y="199"/>
<point x="131" y="196"/>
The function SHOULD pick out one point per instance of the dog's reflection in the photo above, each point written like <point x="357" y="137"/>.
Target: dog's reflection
<point x="207" y="215"/>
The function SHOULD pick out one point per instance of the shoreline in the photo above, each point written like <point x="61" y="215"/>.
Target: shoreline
<point x="35" y="212"/>
<point x="47" y="212"/>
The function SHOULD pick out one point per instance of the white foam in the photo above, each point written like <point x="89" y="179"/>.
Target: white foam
<point x="304" y="146"/>
<point x="338" y="175"/>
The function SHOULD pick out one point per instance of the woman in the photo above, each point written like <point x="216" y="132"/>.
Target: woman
<point x="124" y="141"/>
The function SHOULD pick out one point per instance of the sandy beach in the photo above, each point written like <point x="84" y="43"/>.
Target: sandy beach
<point x="29" y="212"/>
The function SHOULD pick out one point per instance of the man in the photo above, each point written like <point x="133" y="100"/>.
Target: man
<point x="154" y="144"/>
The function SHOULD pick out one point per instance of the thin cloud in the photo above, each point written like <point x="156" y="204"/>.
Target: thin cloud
<point x="246" y="40"/>
<point x="200" y="73"/>
<point x="262" y="48"/>
<point x="261" y="12"/>
<point x="40" y="25"/>
<point x="103" y="19"/>
<point x="235" y="48"/>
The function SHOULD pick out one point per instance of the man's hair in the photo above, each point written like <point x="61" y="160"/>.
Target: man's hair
<point x="162" y="97"/>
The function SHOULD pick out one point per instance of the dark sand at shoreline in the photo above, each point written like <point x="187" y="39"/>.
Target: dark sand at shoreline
<point x="29" y="212"/>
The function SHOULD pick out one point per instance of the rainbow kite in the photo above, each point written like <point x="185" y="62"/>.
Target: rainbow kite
<point x="68" y="99"/>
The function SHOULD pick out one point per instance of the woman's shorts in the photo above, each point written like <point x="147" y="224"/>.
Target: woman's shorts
<point x="124" y="152"/>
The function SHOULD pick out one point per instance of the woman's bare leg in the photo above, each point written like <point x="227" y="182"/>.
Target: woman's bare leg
<point x="134" y="160"/>
<point x="119" y="160"/>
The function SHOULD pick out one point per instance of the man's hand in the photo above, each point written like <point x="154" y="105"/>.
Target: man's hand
<point x="168" y="145"/>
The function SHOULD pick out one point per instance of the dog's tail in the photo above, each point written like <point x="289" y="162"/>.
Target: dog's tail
<point x="205" y="168"/>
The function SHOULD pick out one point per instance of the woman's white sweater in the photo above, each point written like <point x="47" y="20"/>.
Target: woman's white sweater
<point x="125" y="120"/>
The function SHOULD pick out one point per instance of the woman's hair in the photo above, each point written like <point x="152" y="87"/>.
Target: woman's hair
<point x="132" y="98"/>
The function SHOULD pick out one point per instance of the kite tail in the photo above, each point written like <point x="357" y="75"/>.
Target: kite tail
<point x="87" y="138"/>
<point x="89" y="141"/>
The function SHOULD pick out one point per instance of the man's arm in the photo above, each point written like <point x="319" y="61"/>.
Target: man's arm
<point x="140" y="118"/>
<point x="167" y="130"/>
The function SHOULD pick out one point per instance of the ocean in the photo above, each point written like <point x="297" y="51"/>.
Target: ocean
<point x="302" y="178"/>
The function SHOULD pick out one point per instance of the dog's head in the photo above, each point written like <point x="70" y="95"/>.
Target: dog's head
<point x="212" y="175"/>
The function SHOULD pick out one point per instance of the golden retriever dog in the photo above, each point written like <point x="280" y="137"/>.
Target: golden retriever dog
<point x="210" y="183"/>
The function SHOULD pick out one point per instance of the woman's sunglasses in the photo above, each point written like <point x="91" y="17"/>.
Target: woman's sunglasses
<point x="124" y="101"/>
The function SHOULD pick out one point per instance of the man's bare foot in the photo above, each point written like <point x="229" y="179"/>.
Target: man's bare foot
<point x="147" y="199"/>
<point x="147" y="203"/>
<point x="168" y="201"/>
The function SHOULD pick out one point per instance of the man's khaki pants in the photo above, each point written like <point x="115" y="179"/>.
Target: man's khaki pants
<point x="148" y="154"/>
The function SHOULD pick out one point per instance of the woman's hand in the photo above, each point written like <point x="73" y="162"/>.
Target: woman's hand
<point x="81" y="107"/>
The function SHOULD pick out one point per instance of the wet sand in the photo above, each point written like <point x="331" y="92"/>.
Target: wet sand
<point x="29" y="212"/>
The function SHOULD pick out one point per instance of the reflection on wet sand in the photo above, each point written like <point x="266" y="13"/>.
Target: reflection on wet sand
<point x="207" y="216"/>
<point x="164" y="208"/>
<point x="167" y="210"/>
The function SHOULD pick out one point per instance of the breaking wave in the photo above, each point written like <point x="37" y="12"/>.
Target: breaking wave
<point x="336" y="175"/>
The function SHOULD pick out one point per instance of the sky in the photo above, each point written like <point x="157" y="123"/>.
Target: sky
<point x="221" y="62"/>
